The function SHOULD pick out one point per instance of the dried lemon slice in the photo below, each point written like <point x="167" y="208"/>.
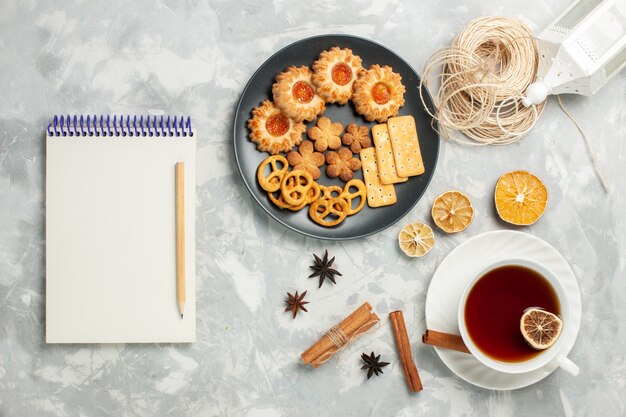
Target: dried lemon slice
<point x="521" y="198"/>
<point x="452" y="211"/>
<point x="416" y="239"/>
<point x="540" y="328"/>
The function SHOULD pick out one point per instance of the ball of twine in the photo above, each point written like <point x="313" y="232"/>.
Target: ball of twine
<point x="484" y="74"/>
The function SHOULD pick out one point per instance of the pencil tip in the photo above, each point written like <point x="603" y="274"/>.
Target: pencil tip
<point x="181" y="316"/>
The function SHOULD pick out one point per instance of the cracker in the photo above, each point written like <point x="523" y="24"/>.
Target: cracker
<point x="405" y="145"/>
<point x="384" y="156"/>
<point x="378" y="194"/>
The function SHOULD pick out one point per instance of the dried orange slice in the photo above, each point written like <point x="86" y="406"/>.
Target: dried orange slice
<point x="416" y="239"/>
<point x="521" y="198"/>
<point x="540" y="328"/>
<point x="452" y="211"/>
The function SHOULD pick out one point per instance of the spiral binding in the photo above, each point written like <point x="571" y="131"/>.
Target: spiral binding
<point x="120" y="126"/>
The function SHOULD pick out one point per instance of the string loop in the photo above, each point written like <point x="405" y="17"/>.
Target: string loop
<point x="340" y="339"/>
<point x="337" y="336"/>
<point x="484" y="72"/>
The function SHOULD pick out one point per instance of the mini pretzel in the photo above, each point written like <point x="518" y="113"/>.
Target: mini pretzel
<point x="359" y="193"/>
<point x="280" y="202"/>
<point x="330" y="191"/>
<point x="336" y="208"/>
<point x="277" y="198"/>
<point x="314" y="192"/>
<point x="272" y="182"/>
<point x="294" y="193"/>
<point x="312" y="195"/>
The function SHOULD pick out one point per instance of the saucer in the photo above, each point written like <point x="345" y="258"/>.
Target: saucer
<point x="450" y="278"/>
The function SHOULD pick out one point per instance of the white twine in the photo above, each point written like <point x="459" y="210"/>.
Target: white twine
<point x="483" y="76"/>
<point x="592" y="154"/>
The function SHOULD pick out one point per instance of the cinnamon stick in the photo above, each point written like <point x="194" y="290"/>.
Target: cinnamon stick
<point x="445" y="340"/>
<point x="357" y="323"/>
<point x="404" y="349"/>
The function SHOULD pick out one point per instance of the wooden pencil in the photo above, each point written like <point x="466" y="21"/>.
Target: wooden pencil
<point x="180" y="237"/>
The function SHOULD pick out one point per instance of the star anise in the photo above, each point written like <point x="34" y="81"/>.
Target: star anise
<point x="295" y="303"/>
<point x="373" y="364"/>
<point x="322" y="268"/>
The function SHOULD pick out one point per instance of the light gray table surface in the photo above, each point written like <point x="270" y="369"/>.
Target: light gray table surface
<point x="194" y="58"/>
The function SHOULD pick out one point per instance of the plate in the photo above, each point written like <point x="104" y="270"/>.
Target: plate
<point x="448" y="282"/>
<point x="305" y="52"/>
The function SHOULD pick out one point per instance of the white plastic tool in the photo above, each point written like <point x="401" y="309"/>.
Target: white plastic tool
<point x="581" y="50"/>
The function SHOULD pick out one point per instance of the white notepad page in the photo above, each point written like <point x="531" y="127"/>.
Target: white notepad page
<point x="110" y="239"/>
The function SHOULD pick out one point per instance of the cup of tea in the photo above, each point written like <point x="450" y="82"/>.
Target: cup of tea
<point x="492" y="305"/>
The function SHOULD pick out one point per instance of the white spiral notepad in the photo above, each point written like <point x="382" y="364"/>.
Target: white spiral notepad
<point x="110" y="230"/>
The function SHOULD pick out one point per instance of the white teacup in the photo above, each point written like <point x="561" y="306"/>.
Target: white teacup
<point x="551" y="354"/>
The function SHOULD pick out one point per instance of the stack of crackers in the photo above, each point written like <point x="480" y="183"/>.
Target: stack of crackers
<point x="395" y="157"/>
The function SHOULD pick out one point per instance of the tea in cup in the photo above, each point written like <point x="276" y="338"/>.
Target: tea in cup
<point x="492" y="305"/>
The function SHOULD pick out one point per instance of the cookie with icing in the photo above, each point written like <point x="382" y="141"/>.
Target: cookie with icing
<point x="378" y="93"/>
<point x="295" y="94"/>
<point x="334" y="74"/>
<point x="272" y="130"/>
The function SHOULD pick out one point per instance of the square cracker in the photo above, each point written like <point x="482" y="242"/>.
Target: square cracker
<point x="405" y="145"/>
<point x="378" y="194"/>
<point x="384" y="156"/>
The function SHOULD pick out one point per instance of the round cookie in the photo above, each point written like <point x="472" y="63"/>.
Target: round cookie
<point x="378" y="93"/>
<point x="272" y="130"/>
<point x="295" y="94"/>
<point x="334" y="74"/>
